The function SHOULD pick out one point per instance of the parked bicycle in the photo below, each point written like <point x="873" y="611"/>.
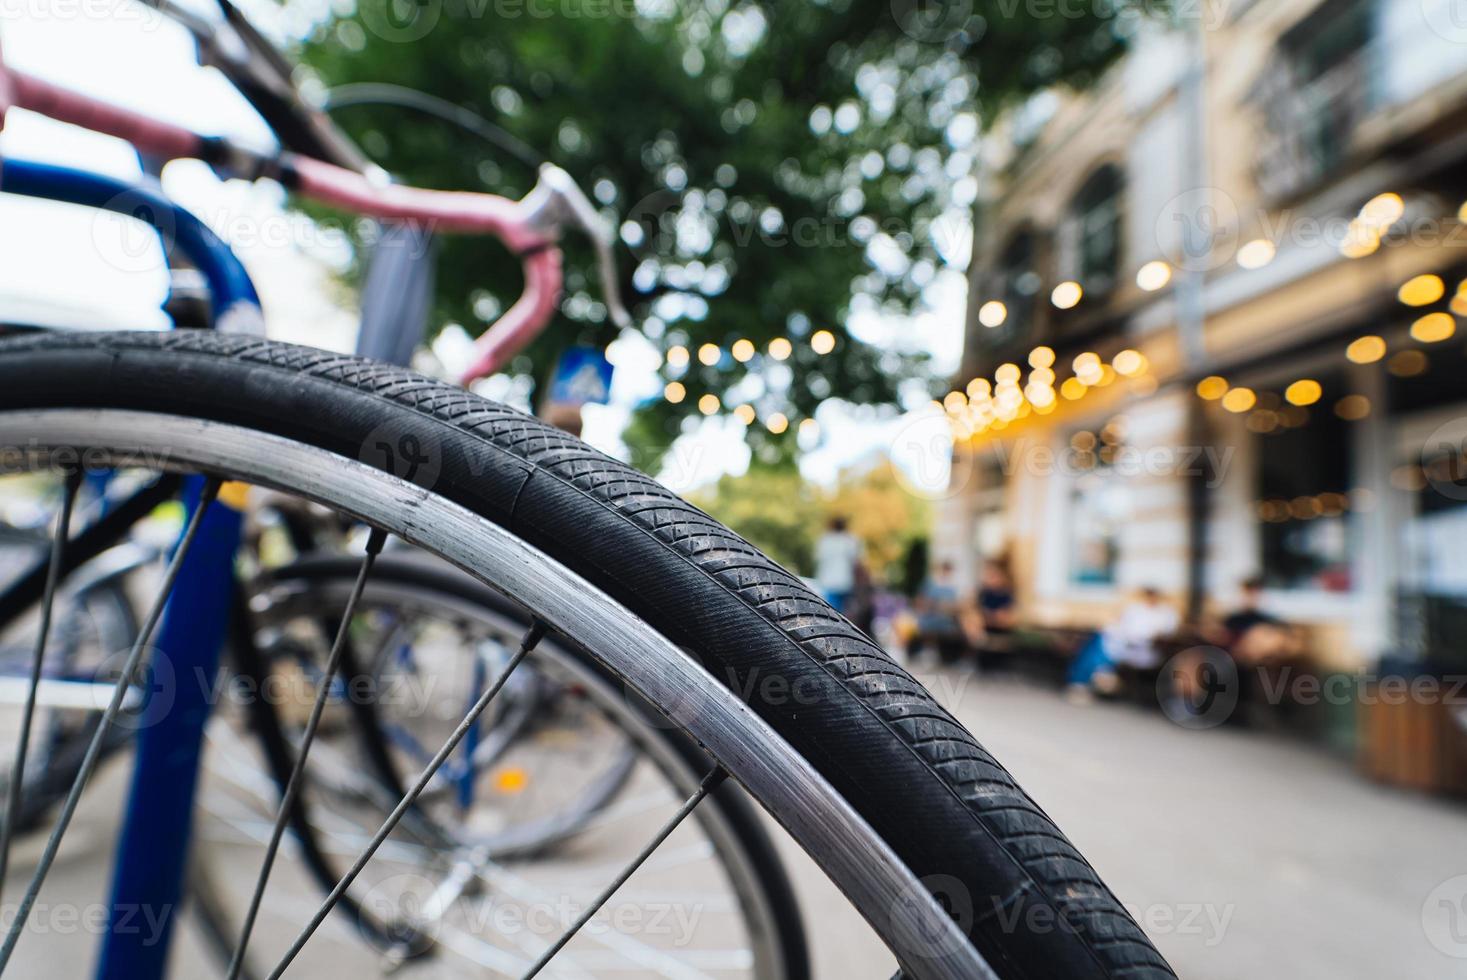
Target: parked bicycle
<point x="654" y="603"/>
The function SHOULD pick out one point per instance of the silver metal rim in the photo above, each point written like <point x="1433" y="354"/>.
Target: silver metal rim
<point x="894" y="902"/>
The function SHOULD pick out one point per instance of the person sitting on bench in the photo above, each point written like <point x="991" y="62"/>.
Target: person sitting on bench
<point x="1130" y="640"/>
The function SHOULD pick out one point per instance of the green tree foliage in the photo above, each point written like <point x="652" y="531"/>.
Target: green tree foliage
<point x="882" y="513"/>
<point x="773" y="165"/>
<point x="777" y="510"/>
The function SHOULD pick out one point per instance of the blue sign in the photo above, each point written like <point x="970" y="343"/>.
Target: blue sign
<point x="583" y="376"/>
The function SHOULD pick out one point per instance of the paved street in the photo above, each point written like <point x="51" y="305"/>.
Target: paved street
<point x="1245" y="855"/>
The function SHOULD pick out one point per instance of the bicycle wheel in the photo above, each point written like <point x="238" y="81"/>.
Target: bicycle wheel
<point x="96" y="624"/>
<point x="577" y="756"/>
<point x="881" y="786"/>
<point x="412" y="605"/>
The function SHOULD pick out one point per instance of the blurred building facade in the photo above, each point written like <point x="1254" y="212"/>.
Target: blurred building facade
<point x="1212" y="330"/>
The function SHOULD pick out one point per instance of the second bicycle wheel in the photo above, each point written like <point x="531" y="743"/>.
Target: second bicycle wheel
<point x="947" y="858"/>
<point x="553" y="785"/>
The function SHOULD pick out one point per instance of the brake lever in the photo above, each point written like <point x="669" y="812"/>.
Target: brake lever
<point x="557" y="201"/>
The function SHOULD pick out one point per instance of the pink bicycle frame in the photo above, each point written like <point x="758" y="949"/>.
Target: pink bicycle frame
<point x="512" y="222"/>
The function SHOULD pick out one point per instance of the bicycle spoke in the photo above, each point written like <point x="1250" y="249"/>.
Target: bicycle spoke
<point x="531" y="638"/>
<point x="709" y="784"/>
<point x="43" y="630"/>
<point x="94" y="749"/>
<point x="293" y="784"/>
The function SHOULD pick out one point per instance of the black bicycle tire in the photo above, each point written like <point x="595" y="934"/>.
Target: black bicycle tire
<point x="1024" y="895"/>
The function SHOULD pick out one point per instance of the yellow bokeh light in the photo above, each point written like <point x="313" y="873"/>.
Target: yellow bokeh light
<point x="745" y="414"/>
<point x="709" y="354"/>
<point x="1073" y="389"/>
<point x="1256" y="254"/>
<point x="675" y="392"/>
<point x="709" y="404"/>
<point x="954" y="402"/>
<point x="780" y="348"/>
<point x="809" y="427"/>
<point x="1458" y="305"/>
<point x="742" y="350"/>
<point x="1040" y="396"/>
<point x="512" y="780"/>
<point x="777" y="423"/>
<point x="1007" y="374"/>
<point x="1041" y="357"/>
<point x="1305" y="391"/>
<point x="1239" y="399"/>
<point x="822" y="342"/>
<point x="1383" y="210"/>
<point x="1434" y="328"/>
<point x="993" y="314"/>
<point x="1366" y="350"/>
<point x="1212" y="388"/>
<point x="1360" y="241"/>
<point x="677" y="356"/>
<point x="1153" y="275"/>
<point x="1422" y="290"/>
<point x="1042" y="376"/>
<point x="1129" y="362"/>
<point x="1086" y="362"/>
<point x="1066" y="295"/>
<point x="979" y="388"/>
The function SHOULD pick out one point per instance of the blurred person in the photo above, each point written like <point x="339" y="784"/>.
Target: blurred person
<point x="992" y="611"/>
<point x="1251" y="635"/>
<point x="936" y="609"/>
<point x="996" y="605"/>
<point x="837" y="553"/>
<point x="1130" y="640"/>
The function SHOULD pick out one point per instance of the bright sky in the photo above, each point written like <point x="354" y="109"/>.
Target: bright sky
<point x="80" y="268"/>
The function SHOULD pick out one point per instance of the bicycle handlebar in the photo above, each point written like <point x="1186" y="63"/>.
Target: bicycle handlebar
<point x="530" y="227"/>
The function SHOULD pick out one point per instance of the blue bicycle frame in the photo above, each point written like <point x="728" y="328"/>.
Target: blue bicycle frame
<point x="152" y="851"/>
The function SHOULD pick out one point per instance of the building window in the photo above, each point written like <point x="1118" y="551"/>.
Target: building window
<point x="1099" y="504"/>
<point x="1095" y="223"/>
<point x="1304" y="467"/>
<point x="1319" y="88"/>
